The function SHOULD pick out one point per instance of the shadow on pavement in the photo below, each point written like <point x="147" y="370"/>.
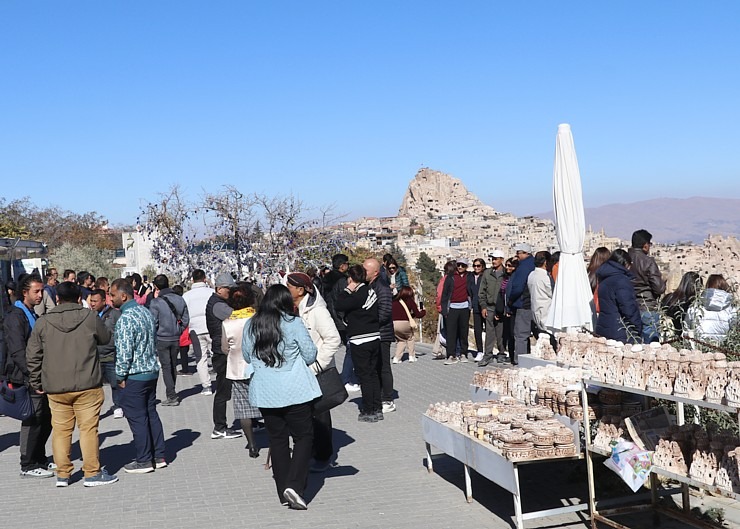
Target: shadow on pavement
<point x="185" y="393"/>
<point x="9" y="440"/>
<point x="180" y="440"/>
<point x="316" y="481"/>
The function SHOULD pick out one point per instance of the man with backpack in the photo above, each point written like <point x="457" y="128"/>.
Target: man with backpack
<point x="170" y="313"/>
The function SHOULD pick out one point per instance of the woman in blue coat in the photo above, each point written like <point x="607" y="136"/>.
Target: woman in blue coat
<point x="619" y="316"/>
<point x="277" y="346"/>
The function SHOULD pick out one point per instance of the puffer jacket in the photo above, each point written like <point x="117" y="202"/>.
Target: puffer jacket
<point x="320" y="326"/>
<point x="619" y="316"/>
<point x="714" y="319"/>
<point x="648" y="283"/>
<point x="62" y="352"/>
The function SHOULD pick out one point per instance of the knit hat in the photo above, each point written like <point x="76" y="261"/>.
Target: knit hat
<point x="299" y="279"/>
<point x="224" y="279"/>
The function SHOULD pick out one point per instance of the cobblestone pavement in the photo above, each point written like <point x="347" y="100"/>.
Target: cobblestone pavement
<point x="379" y="480"/>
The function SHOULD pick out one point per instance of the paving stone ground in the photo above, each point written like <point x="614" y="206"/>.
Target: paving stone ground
<point x="379" y="480"/>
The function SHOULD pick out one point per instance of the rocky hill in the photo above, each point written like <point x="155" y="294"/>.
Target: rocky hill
<point x="670" y="220"/>
<point x="433" y="193"/>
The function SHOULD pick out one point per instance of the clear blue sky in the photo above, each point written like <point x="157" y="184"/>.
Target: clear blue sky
<point x="103" y="104"/>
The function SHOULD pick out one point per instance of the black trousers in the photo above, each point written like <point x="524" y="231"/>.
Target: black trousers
<point x="168" y="353"/>
<point x="290" y="470"/>
<point x="385" y="373"/>
<point x="184" y="360"/>
<point x="458" y="321"/>
<point x="35" y="431"/>
<point x="223" y="392"/>
<point x="478" y="322"/>
<point x="323" y="443"/>
<point x="366" y="358"/>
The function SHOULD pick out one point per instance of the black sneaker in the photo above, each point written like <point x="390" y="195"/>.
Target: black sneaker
<point x="171" y="402"/>
<point x="367" y="417"/>
<point x="135" y="467"/>
<point x="228" y="433"/>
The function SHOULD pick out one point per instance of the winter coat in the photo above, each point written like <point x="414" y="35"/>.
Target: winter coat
<point x="62" y="352"/>
<point x="475" y="281"/>
<point x="290" y="383"/>
<point x="217" y="310"/>
<point x="649" y="285"/>
<point x="517" y="294"/>
<point x="716" y="316"/>
<point x="333" y="283"/>
<point x="618" y="307"/>
<point x="320" y="326"/>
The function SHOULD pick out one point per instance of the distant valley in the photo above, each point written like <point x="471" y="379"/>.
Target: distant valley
<point x="669" y="219"/>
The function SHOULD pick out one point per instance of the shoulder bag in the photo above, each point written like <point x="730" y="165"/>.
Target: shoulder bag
<point x="15" y="401"/>
<point x="412" y="321"/>
<point x="333" y="392"/>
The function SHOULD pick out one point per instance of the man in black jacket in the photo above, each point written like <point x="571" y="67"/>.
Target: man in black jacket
<point x="107" y="352"/>
<point x="17" y="326"/>
<point x="648" y="282"/>
<point x="387" y="336"/>
<point x="217" y="310"/>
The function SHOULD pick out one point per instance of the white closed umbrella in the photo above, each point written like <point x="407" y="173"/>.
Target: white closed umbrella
<point x="570" y="307"/>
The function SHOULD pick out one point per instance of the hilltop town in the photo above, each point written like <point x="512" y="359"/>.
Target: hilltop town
<point x="440" y="217"/>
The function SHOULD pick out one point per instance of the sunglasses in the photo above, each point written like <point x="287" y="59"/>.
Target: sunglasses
<point x="477" y="266"/>
<point x="460" y="265"/>
<point x="392" y="268"/>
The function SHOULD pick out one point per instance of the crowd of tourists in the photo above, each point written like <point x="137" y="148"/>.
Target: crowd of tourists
<point x="65" y="339"/>
<point x="264" y="349"/>
<point x="510" y="300"/>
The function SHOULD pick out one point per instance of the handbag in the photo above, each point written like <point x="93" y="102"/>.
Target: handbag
<point x="412" y="322"/>
<point x="333" y="392"/>
<point x="15" y="401"/>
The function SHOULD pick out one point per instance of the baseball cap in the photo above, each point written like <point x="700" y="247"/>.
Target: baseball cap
<point x="224" y="279"/>
<point x="523" y="247"/>
<point x="463" y="260"/>
<point x="497" y="253"/>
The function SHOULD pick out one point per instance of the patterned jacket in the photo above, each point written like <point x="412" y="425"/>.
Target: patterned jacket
<point x="136" y="354"/>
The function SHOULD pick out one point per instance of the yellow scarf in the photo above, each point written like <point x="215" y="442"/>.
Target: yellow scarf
<point x="242" y="314"/>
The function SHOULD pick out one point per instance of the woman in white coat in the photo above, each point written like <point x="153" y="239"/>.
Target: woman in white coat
<point x="312" y="310"/>
<point x="717" y="313"/>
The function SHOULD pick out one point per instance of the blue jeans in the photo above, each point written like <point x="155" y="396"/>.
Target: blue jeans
<point x="650" y="326"/>
<point x="348" y="368"/>
<point x="109" y="376"/>
<point x="140" y="408"/>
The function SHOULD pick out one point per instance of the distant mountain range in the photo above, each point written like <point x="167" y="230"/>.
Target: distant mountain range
<point x="668" y="219"/>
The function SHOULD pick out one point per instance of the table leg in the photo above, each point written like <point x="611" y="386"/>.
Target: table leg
<point x="518" y="500"/>
<point x="430" y="468"/>
<point x="468" y="485"/>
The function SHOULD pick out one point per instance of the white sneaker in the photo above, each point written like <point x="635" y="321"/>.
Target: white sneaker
<point x="389" y="406"/>
<point x="118" y="413"/>
<point x="478" y="357"/>
<point x="206" y="391"/>
<point x="352" y="388"/>
<point x="412" y="359"/>
<point x="395" y="361"/>
<point x="36" y="473"/>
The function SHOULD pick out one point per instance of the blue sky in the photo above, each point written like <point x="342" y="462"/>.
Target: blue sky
<point x="105" y="104"/>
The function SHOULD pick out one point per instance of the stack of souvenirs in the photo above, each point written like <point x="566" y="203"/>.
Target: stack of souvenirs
<point x="654" y="367"/>
<point x="518" y="431"/>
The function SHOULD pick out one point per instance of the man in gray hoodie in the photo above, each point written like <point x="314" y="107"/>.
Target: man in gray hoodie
<point x="62" y="360"/>
<point x="171" y="317"/>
